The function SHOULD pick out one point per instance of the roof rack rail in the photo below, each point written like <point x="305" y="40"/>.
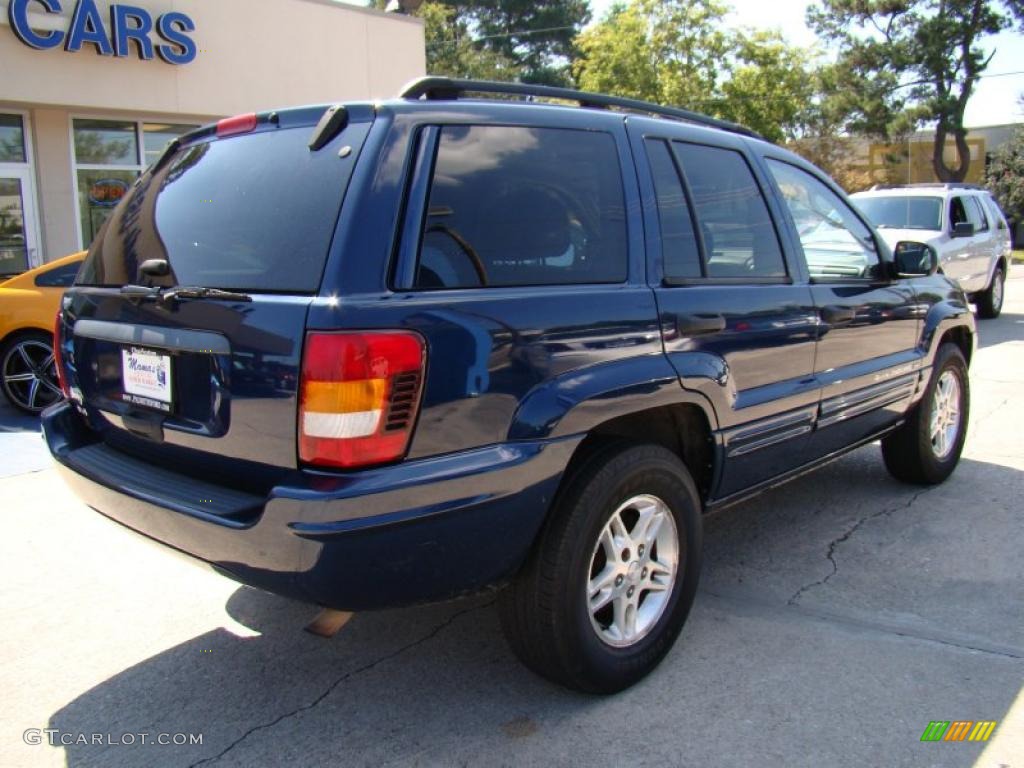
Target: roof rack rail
<point x="931" y="185"/>
<point x="444" y="88"/>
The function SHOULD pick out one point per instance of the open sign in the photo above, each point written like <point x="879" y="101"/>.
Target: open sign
<point x="106" y="193"/>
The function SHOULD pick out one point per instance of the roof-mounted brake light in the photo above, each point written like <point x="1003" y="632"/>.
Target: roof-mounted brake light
<point x="233" y="126"/>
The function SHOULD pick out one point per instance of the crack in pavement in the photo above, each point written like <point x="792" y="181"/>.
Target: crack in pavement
<point x="830" y="554"/>
<point x="921" y="634"/>
<point x="346" y="676"/>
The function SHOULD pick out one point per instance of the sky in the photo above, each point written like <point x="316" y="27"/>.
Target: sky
<point x="995" y="99"/>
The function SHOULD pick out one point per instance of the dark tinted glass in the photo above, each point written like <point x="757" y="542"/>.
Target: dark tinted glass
<point x="739" y="238"/>
<point x="902" y="212"/>
<point x="957" y="212"/>
<point x="836" y="243"/>
<point x="678" y="241"/>
<point x="61" y="277"/>
<point x="523" y="206"/>
<point x="251" y="212"/>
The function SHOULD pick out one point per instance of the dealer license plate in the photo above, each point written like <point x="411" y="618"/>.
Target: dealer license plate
<point x="147" y="378"/>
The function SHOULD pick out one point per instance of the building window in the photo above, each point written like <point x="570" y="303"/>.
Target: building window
<point x="109" y="156"/>
<point x="12" y="139"/>
<point x="19" y="233"/>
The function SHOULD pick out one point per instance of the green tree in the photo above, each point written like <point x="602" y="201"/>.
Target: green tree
<point x="451" y="50"/>
<point x="668" y="52"/>
<point x="1005" y="176"/>
<point x="682" y="54"/>
<point x="771" y="86"/>
<point x="535" y="35"/>
<point x="502" y="39"/>
<point x="901" y="63"/>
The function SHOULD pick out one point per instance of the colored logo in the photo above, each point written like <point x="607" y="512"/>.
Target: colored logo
<point x="958" y="730"/>
<point x="130" y="30"/>
<point x="106" y="193"/>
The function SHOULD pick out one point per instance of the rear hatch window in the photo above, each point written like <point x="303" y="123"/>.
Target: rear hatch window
<point x="248" y="213"/>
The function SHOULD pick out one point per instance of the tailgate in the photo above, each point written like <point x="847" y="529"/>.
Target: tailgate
<point x="199" y="384"/>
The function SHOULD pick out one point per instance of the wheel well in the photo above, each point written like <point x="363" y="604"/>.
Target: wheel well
<point x="27" y="330"/>
<point x="962" y="338"/>
<point x="683" y="429"/>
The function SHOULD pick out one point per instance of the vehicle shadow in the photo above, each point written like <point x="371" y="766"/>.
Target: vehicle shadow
<point x="12" y="420"/>
<point x="1006" y="327"/>
<point x="394" y="686"/>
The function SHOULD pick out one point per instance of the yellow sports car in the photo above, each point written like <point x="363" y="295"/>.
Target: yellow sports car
<point x="28" y="307"/>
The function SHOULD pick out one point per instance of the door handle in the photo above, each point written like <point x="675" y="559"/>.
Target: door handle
<point x="697" y="325"/>
<point x="838" y="315"/>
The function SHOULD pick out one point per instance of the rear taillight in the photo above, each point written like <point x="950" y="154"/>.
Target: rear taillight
<point x="359" y="397"/>
<point x="58" y="357"/>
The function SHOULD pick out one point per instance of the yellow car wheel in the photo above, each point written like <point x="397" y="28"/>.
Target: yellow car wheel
<point x="29" y="375"/>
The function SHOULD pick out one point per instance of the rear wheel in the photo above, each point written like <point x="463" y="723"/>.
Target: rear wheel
<point x="990" y="301"/>
<point x="926" y="449"/>
<point x="29" y="373"/>
<point x="612" y="578"/>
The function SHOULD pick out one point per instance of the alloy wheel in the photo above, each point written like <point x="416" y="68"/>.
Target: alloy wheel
<point x="997" y="291"/>
<point x="945" y="420"/>
<point x="30" y="375"/>
<point x="633" y="571"/>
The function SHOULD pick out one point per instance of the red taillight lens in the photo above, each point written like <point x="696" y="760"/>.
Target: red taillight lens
<point x="359" y="397"/>
<point x="58" y="358"/>
<point x="232" y="126"/>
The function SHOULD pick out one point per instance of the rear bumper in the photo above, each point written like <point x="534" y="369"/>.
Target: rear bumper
<point x="413" y="532"/>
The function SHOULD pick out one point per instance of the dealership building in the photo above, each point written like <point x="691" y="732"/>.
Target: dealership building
<point x="92" y="90"/>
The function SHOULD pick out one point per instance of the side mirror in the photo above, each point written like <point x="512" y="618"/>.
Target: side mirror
<point x="912" y="259"/>
<point x="963" y="229"/>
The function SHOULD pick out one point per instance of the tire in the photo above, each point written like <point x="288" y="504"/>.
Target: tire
<point x="990" y="301"/>
<point x="916" y="454"/>
<point x="28" y="376"/>
<point x="546" y="612"/>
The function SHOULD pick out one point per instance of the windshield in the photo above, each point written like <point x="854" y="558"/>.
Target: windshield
<point x="246" y="213"/>
<point x="900" y="212"/>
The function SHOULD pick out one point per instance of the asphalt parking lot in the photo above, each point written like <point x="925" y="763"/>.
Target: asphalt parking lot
<point x="837" y="616"/>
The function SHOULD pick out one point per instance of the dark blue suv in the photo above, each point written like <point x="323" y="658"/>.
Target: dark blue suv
<point x="377" y="354"/>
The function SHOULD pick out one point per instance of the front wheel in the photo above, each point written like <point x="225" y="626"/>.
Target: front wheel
<point x="926" y="449"/>
<point x="990" y="301"/>
<point x="610" y="583"/>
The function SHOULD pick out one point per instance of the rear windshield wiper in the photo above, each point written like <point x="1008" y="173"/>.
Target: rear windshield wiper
<point x="198" y="292"/>
<point x="140" y="292"/>
<point x="166" y="295"/>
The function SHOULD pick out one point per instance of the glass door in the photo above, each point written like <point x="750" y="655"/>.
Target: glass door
<point x="18" y="249"/>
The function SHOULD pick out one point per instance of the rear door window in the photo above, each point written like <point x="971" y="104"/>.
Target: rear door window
<point x="980" y="218"/>
<point x="679" y="249"/>
<point x="60" y="277"/>
<point x="737" y="231"/>
<point x="523" y="206"/>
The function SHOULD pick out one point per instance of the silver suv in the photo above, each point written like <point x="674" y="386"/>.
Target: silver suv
<point x="961" y="221"/>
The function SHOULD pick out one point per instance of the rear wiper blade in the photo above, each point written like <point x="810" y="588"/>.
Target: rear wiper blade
<point x="156" y="293"/>
<point x="198" y="292"/>
<point x="140" y="291"/>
